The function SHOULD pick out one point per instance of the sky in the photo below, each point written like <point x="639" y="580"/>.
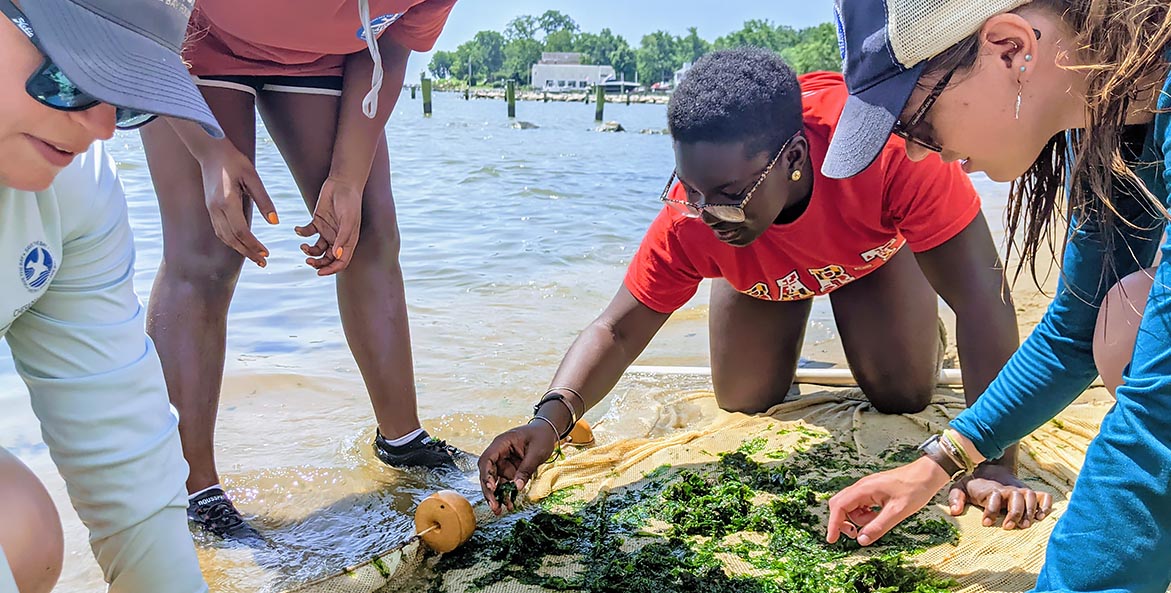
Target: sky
<point x="629" y="18"/>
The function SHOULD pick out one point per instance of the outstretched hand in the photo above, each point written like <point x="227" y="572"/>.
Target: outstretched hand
<point x="230" y="181"/>
<point x="514" y="456"/>
<point x="875" y="504"/>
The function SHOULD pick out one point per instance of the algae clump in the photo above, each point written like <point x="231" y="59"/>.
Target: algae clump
<point x="676" y="530"/>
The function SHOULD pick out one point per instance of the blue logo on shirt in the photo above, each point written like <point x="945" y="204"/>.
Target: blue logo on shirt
<point x="380" y="24"/>
<point x="36" y="266"/>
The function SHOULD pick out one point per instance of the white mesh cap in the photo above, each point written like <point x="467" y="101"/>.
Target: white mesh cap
<point x="922" y="29"/>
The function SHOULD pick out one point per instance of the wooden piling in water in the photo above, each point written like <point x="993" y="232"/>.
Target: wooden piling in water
<point x="601" y="102"/>
<point x="426" y="97"/>
<point x="510" y="96"/>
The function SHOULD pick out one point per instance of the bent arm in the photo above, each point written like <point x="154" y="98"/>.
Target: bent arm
<point x="97" y="387"/>
<point x="357" y="134"/>
<point x="967" y="272"/>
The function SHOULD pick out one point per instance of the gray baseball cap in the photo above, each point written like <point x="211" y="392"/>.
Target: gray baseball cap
<point x="124" y="52"/>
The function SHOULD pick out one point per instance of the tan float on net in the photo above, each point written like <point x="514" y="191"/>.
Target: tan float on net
<point x="445" y="520"/>
<point x="582" y="435"/>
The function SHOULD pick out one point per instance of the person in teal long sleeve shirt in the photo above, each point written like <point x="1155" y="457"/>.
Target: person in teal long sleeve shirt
<point x="997" y="85"/>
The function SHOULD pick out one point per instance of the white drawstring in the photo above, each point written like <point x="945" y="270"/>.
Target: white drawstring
<point x="370" y="103"/>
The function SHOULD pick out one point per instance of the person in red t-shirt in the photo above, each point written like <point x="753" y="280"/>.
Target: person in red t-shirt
<point x="751" y="210"/>
<point x="325" y="76"/>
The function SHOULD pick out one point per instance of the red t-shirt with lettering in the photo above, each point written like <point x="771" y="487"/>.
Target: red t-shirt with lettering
<point x="849" y="229"/>
<point x="301" y="37"/>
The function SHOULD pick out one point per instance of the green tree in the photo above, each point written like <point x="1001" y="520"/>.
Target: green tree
<point x="554" y="21"/>
<point x="588" y="44"/>
<point x="519" y="57"/>
<point x="560" y="41"/>
<point x="655" y="58"/>
<point x="624" y="61"/>
<point x="817" y="50"/>
<point x="691" y="48"/>
<point x="484" y="54"/>
<point x="441" y="63"/>
<point x="598" y="48"/>
<point x="759" y="33"/>
<point x="522" y="27"/>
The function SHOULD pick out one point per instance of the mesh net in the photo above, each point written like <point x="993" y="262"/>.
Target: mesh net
<point x="738" y="505"/>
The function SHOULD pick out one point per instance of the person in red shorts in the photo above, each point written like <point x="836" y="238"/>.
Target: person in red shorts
<point x="748" y="207"/>
<point x="325" y="76"/>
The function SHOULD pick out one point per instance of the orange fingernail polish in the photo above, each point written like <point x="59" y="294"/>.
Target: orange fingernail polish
<point x="272" y="219"/>
<point x="338" y="251"/>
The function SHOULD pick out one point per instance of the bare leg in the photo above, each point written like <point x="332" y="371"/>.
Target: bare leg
<point x="889" y="322"/>
<point x="30" y="529"/>
<point x="1118" y="323"/>
<point x="371" y="295"/>
<point x="755" y="345"/>
<point x="187" y="317"/>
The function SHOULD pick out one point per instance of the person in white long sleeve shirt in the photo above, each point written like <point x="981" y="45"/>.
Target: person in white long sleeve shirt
<point x="74" y="70"/>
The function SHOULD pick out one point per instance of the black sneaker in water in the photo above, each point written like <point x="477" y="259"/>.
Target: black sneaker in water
<point x="422" y="451"/>
<point x="215" y="513"/>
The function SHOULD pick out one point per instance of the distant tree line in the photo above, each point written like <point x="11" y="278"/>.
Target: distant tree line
<point x="510" y="55"/>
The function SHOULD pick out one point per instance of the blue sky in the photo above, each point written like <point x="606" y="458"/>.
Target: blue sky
<point x="630" y="18"/>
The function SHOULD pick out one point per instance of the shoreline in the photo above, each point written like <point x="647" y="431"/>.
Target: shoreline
<point x="564" y="97"/>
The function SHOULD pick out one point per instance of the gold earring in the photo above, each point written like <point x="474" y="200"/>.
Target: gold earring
<point x="796" y="176"/>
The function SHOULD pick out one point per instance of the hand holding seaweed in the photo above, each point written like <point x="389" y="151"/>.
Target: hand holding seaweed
<point x="506" y="493"/>
<point x="513" y="458"/>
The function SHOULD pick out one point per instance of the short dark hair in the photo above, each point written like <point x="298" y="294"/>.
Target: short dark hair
<point x="745" y="94"/>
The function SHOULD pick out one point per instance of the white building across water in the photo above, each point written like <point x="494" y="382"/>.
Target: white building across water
<point x="565" y="72"/>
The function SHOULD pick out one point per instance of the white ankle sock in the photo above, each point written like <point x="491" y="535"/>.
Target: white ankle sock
<point x="410" y="436"/>
<point x="195" y="495"/>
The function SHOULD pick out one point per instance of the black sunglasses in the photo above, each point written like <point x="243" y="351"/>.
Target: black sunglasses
<point x="906" y="131"/>
<point x="51" y="88"/>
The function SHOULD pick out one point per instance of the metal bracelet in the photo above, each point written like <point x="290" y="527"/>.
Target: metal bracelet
<point x="549" y="422"/>
<point x="575" y="393"/>
<point x="559" y="397"/>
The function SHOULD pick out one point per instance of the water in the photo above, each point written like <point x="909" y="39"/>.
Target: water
<point x="513" y="240"/>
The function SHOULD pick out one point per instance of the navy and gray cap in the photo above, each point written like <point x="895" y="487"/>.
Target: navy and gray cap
<point x="885" y="45"/>
<point x="124" y="52"/>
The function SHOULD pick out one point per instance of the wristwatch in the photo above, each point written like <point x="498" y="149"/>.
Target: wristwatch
<point x="935" y="450"/>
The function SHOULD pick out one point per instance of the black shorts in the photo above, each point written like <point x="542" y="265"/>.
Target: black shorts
<point x="306" y="85"/>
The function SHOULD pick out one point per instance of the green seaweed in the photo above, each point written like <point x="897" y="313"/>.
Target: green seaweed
<point x="753" y="446"/>
<point x="668" y="533"/>
<point x="506" y="490"/>
<point x="901" y="454"/>
<point x="566" y="497"/>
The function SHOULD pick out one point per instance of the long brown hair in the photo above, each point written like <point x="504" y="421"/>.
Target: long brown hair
<point x="1121" y="47"/>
